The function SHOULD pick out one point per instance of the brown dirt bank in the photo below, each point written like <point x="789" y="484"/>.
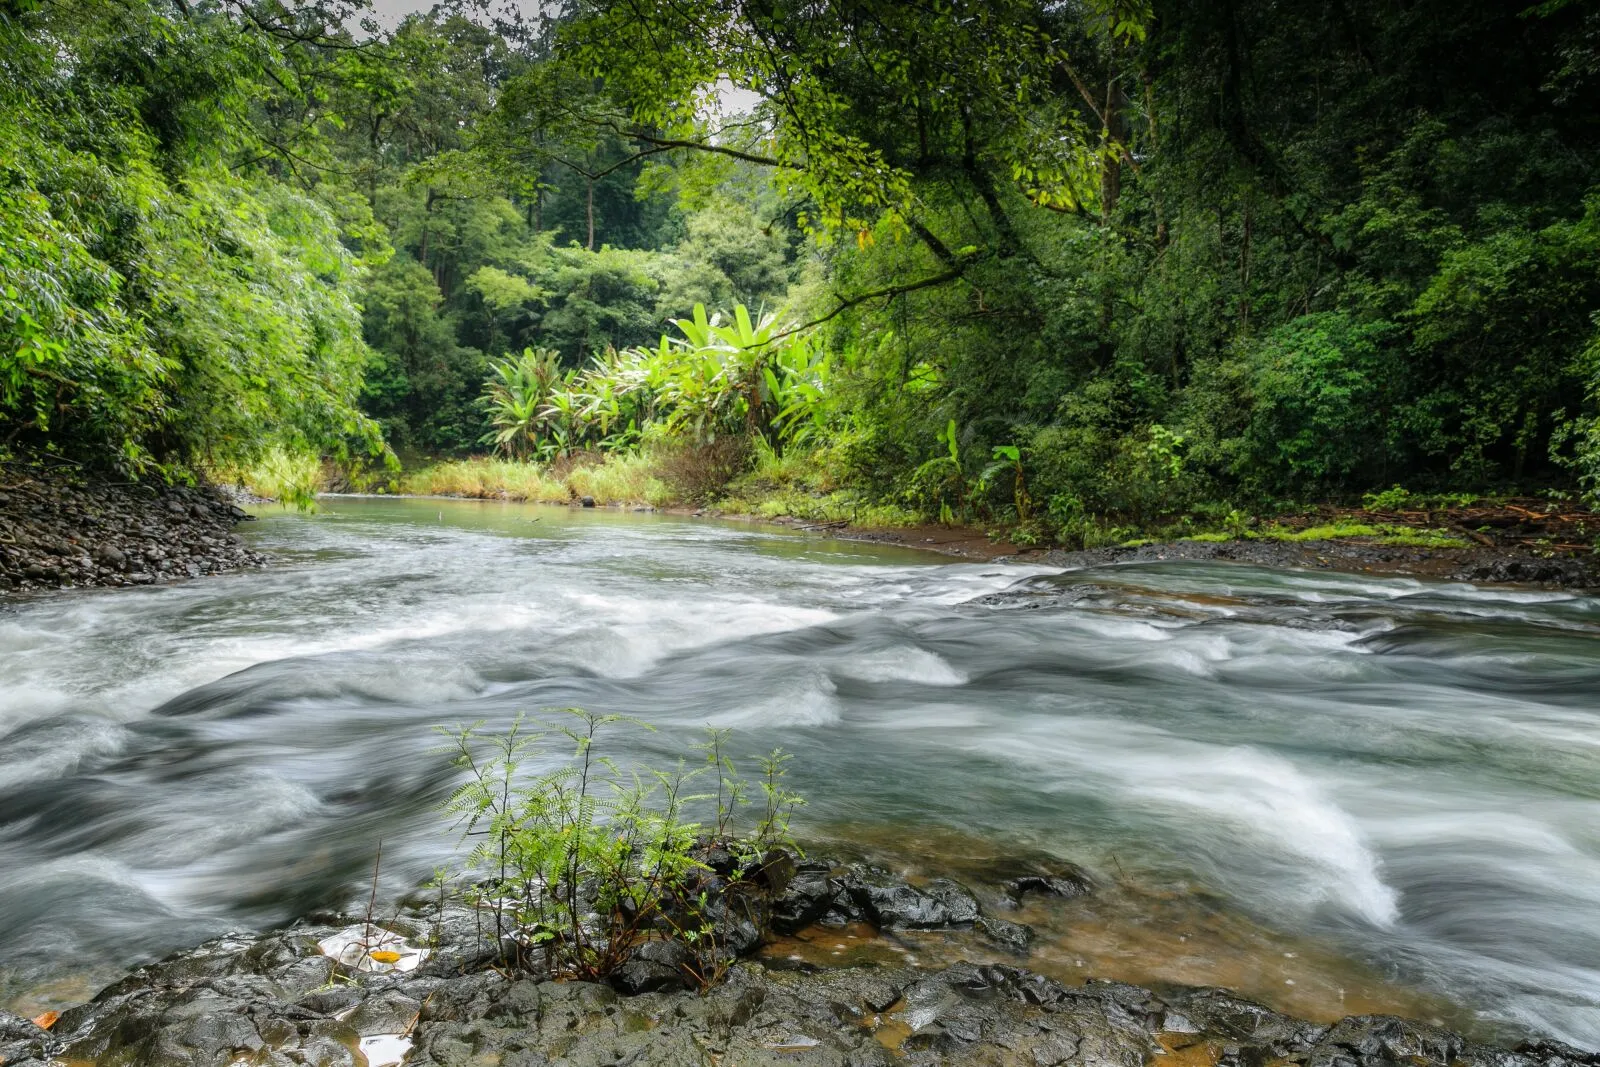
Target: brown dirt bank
<point x="1478" y="564"/>
<point x="1509" y="543"/>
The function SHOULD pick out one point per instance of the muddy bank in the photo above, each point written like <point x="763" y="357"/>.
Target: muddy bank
<point x="61" y="529"/>
<point x="1477" y="564"/>
<point x="420" y="986"/>
<point x="1507" y="562"/>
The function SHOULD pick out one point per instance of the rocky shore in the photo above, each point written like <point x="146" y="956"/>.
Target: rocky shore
<point x="59" y="529"/>
<point x="1476" y="564"/>
<point x="421" y="987"/>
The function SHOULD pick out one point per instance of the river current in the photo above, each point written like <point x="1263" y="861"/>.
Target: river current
<point x="1334" y="792"/>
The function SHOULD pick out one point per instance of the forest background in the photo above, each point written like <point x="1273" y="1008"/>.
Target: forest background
<point x="1081" y="270"/>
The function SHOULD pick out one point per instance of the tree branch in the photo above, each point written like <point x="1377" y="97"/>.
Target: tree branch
<point x="888" y="292"/>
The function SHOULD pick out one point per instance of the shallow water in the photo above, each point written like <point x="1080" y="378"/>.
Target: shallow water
<point x="1312" y="782"/>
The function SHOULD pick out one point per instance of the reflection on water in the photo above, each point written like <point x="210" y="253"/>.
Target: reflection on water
<point x="1396" y="782"/>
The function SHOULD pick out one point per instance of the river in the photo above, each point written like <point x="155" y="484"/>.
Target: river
<point x="1332" y="792"/>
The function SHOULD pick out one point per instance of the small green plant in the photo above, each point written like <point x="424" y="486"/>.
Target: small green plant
<point x="941" y="477"/>
<point x="1392" y="499"/>
<point x="1237" y="524"/>
<point x="1007" y="458"/>
<point x="516" y="397"/>
<point x="585" y="863"/>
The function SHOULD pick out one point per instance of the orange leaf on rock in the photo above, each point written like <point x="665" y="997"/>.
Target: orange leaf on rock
<point x="385" y="956"/>
<point x="47" y="1020"/>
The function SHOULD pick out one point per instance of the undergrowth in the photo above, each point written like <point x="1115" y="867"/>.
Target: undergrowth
<point x="584" y="865"/>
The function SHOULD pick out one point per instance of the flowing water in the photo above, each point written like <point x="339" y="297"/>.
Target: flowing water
<point x="1333" y="792"/>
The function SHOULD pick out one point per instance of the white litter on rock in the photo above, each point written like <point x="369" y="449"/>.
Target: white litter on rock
<point x="385" y="1050"/>
<point x="355" y="947"/>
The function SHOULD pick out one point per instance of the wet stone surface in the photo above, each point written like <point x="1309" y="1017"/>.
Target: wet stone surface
<point x="419" y="989"/>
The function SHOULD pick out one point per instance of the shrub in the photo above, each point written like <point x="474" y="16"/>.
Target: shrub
<point x="1320" y="410"/>
<point x="289" y="476"/>
<point x="589" y="862"/>
<point x="695" y="472"/>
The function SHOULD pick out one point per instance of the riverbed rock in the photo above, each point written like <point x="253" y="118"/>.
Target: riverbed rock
<point x="831" y="893"/>
<point x="274" y="999"/>
<point x="1065" y="885"/>
<point x="1013" y="937"/>
<point x="60" y="528"/>
<point x="891" y="903"/>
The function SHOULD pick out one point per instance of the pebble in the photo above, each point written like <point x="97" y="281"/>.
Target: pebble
<point x="59" y="529"/>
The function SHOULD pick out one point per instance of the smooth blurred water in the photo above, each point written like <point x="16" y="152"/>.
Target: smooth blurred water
<point x="1409" y="772"/>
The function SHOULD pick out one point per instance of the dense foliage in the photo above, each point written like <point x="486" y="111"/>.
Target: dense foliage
<point x="167" y="300"/>
<point x="1079" y="267"/>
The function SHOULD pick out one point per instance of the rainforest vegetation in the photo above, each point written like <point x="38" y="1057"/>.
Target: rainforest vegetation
<point x="1081" y="269"/>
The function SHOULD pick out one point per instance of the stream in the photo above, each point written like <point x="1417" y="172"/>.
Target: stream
<point x="1332" y="792"/>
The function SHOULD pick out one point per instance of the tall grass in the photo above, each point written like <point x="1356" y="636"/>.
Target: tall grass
<point x="618" y="479"/>
<point x="795" y="484"/>
<point x="290" y="477"/>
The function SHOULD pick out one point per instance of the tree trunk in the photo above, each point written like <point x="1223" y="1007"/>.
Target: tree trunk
<point x="589" y="209"/>
<point x="1110" y="159"/>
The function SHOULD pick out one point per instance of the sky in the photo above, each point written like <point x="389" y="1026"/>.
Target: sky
<point x="389" y="13"/>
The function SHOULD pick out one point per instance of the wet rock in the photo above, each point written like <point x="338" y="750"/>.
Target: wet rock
<point x="586" y="502"/>
<point x="386" y="1012"/>
<point x="1065" y="886"/>
<point x="247" y="999"/>
<point x="21" y="1041"/>
<point x="655" y="965"/>
<point x="891" y="903"/>
<point x="1013" y="937"/>
<point x="810" y="895"/>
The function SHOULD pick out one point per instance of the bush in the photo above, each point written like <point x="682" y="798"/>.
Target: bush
<point x="1321" y="401"/>
<point x="291" y="477"/>
<point x="589" y="862"/>
<point x="696" y="472"/>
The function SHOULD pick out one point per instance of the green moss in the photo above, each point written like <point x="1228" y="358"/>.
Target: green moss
<point x="1327" y="532"/>
<point x="1210" y="538"/>
<point x="1422" y="539"/>
<point x="1386" y="534"/>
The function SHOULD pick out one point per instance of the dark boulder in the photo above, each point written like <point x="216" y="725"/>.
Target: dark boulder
<point x="891" y="903"/>
<point x="655" y="966"/>
<point x="1013" y="937"/>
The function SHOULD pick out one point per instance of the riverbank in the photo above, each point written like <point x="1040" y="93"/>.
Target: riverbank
<point x="418" y="983"/>
<point x="1537" y="541"/>
<point x="60" y="528"/>
<point x="1494" y="557"/>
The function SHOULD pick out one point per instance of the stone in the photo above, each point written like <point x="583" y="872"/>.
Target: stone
<point x="654" y="966"/>
<point x="1013" y="937"/>
<point x="1065" y="885"/>
<point x="890" y="903"/>
<point x="809" y="896"/>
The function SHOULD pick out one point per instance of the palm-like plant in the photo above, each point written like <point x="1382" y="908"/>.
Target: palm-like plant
<point x="516" y="395"/>
<point x="755" y="376"/>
